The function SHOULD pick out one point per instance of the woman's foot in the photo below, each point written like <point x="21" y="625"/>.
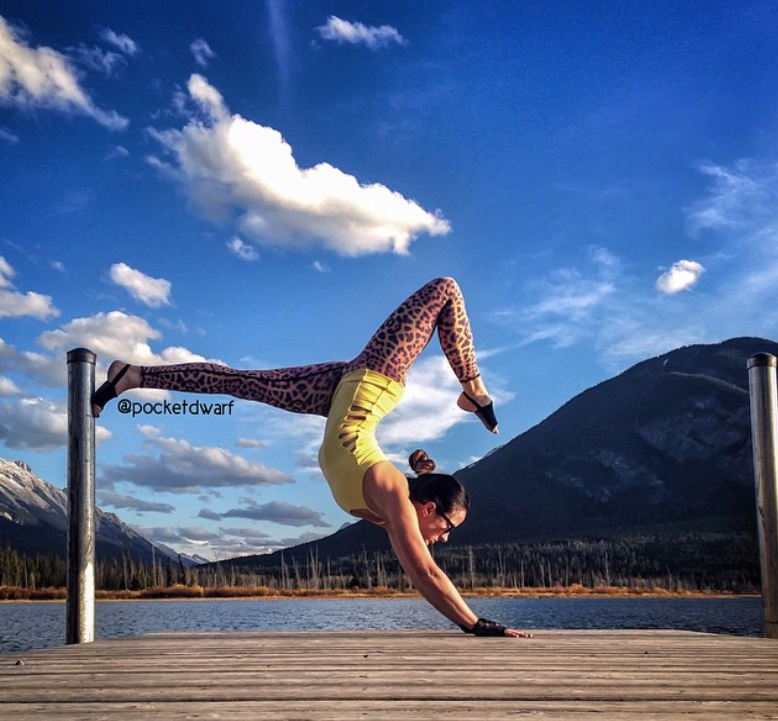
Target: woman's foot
<point x="475" y="399"/>
<point x="121" y="377"/>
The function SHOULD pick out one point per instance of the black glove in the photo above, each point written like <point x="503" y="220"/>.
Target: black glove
<point x="484" y="627"/>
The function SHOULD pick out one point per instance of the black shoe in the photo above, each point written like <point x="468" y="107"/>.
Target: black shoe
<point x="107" y="391"/>
<point x="485" y="413"/>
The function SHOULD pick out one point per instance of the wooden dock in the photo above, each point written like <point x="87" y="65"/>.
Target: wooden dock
<point x="340" y="676"/>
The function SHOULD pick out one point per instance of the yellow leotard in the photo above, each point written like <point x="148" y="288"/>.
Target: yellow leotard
<point x="363" y="397"/>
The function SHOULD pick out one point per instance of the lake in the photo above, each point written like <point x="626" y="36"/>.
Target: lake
<point x="31" y="625"/>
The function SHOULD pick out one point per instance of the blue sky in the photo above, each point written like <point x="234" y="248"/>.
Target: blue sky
<point x="260" y="183"/>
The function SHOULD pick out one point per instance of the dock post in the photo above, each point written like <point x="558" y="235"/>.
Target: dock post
<point x="80" y="622"/>
<point x="764" y="430"/>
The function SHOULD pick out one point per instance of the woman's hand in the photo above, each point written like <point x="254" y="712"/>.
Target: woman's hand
<point x="513" y="633"/>
<point x="485" y="627"/>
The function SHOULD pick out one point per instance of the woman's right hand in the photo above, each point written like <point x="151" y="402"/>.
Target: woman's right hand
<point x="484" y="627"/>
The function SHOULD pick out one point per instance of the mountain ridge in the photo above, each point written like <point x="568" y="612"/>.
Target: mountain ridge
<point x="34" y="520"/>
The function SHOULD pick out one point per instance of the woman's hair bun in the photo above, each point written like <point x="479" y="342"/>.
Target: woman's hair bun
<point x="420" y="462"/>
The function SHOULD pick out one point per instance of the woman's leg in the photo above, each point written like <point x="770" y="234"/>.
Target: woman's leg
<point x="308" y="389"/>
<point x="407" y="331"/>
<point x="301" y="389"/>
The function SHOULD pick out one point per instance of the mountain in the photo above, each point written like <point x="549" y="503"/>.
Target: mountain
<point x="34" y="520"/>
<point x="187" y="559"/>
<point x="665" y="445"/>
<point x="663" y="448"/>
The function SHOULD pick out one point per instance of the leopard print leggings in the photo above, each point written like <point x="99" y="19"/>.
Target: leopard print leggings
<point x="309" y="389"/>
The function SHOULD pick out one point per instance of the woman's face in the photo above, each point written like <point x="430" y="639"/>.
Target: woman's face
<point x="436" y="526"/>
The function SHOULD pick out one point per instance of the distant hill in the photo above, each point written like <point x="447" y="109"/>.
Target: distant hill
<point x="663" y="448"/>
<point x="34" y="520"/>
<point x="665" y="445"/>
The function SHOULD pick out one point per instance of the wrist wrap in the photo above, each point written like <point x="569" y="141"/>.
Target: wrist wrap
<point x="485" y="627"/>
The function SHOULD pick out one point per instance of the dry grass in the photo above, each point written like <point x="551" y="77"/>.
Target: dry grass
<point x="181" y="592"/>
<point x="17" y="593"/>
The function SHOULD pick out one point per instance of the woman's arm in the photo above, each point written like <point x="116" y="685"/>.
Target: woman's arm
<point x="426" y="576"/>
<point x="386" y="491"/>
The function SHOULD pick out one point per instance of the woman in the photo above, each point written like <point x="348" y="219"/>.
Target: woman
<point x="354" y="396"/>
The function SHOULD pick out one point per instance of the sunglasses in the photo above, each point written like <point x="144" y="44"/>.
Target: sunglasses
<point x="449" y="525"/>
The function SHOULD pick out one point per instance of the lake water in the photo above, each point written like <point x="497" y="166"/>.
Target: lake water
<point x="32" y="625"/>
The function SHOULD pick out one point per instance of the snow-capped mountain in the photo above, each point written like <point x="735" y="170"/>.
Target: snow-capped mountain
<point x="34" y="520"/>
<point x="188" y="560"/>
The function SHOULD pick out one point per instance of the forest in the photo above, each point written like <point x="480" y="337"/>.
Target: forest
<point x="724" y="563"/>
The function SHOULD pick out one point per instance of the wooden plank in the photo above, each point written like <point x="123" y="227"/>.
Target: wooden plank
<point x="418" y="711"/>
<point x="424" y="675"/>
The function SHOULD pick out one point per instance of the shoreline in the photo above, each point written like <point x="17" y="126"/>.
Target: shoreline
<point x="198" y="593"/>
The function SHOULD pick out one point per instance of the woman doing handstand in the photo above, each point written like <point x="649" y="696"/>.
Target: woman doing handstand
<point x="354" y="396"/>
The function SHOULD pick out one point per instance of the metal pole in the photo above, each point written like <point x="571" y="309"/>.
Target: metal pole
<point x="81" y="498"/>
<point x="764" y="429"/>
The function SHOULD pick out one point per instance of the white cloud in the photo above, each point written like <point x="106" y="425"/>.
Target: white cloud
<point x="682" y="276"/>
<point x="198" y="534"/>
<point x="6" y="273"/>
<point x="599" y="304"/>
<point x="306" y="537"/>
<point x="740" y="214"/>
<point x="741" y="198"/>
<point x="109" y="335"/>
<point x="428" y="409"/>
<point x="115" y="335"/>
<point x="119" y="151"/>
<point x="343" y="31"/>
<point x="280" y="512"/>
<point x="8" y="387"/>
<point x="43" y="78"/>
<point x="45" y="369"/>
<point x="577" y="295"/>
<point x="118" y="500"/>
<point x="202" y="52"/>
<point x="36" y="424"/>
<point x="205" y="543"/>
<point x="33" y="423"/>
<point x="569" y="301"/>
<point x="208" y="98"/>
<point x="14" y="304"/>
<point x="105" y="334"/>
<point x="234" y="166"/>
<point x="243" y="532"/>
<point x="98" y="59"/>
<point x="249" y="443"/>
<point x="279" y="35"/>
<point x="154" y="292"/>
<point x="126" y="44"/>
<point x="242" y="250"/>
<point x="8" y="137"/>
<point x="180" y="467"/>
<point x="635" y="339"/>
